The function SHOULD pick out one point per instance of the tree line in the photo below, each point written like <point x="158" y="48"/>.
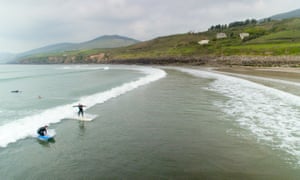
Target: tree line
<point x="220" y="27"/>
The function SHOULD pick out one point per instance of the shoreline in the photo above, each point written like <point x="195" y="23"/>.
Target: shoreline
<point x="283" y="73"/>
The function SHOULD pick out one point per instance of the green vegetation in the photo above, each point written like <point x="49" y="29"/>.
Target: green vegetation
<point x="267" y="38"/>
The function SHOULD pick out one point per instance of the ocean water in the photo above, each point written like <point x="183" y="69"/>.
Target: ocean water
<point x="150" y="123"/>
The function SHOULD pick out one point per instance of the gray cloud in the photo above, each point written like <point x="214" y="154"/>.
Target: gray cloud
<point x="30" y="24"/>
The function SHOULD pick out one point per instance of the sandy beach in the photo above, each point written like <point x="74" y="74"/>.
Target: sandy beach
<point x="283" y="73"/>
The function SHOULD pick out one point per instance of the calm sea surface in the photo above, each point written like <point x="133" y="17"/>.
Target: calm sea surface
<point x="150" y="123"/>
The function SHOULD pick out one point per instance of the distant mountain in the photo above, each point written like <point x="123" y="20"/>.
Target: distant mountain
<point x="49" y="49"/>
<point x="287" y="15"/>
<point x="107" y="41"/>
<point x="6" y="57"/>
<point x="112" y="41"/>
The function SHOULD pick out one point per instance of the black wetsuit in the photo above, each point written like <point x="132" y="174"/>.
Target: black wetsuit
<point x="80" y="109"/>
<point x="42" y="131"/>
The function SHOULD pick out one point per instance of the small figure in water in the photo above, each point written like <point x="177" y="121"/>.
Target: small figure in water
<point x="80" y="109"/>
<point x="15" y="91"/>
<point x="42" y="130"/>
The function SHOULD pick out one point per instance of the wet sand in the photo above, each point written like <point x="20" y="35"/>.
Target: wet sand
<point x="288" y="74"/>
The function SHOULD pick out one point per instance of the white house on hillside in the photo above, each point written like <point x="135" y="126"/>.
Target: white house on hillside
<point x="244" y="35"/>
<point x="221" y="35"/>
<point x="203" y="42"/>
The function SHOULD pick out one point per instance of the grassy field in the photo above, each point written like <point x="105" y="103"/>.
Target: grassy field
<point x="270" y="49"/>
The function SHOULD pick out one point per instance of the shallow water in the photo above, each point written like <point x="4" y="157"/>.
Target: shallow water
<point x="191" y="124"/>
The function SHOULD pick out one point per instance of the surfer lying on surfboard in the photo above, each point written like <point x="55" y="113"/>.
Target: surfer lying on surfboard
<point x="80" y="109"/>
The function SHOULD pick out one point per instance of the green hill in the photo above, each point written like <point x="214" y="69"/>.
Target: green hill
<point x="287" y="15"/>
<point x="107" y="41"/>
<point x="267" y="38"/>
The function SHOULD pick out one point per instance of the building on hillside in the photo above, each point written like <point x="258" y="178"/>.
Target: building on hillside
<point x="244" y="35"/>
<point x="203" y="42"/>
<point x="221" y="35"/>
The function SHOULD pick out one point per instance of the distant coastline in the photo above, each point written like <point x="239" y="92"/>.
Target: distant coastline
<point x="256" y="61"/>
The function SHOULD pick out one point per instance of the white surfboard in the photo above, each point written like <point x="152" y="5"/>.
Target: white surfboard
<point x="86" y="117"/>
<point x="82" y="118"/>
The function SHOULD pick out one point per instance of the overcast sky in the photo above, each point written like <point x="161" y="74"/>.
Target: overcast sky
<point x="29" y="24"/>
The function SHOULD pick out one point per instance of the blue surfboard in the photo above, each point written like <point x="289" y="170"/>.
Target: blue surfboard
<point x="50" y="135"/>
<point x="45" y="138"/>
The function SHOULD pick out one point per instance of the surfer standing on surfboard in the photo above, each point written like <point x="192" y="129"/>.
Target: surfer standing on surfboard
<point x="80" y="109"/>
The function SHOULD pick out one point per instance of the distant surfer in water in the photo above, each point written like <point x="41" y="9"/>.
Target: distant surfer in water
<point x="42" y="130"/>
<point x="15" y="91"/>
<point x="80" y="109"/>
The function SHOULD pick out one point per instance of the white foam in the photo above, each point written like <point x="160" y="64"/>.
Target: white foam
<point x="270" y="114"/>
<point x="51" y="132"/>
<point x="85" y="67"/>
<point x="27" y="126"/>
